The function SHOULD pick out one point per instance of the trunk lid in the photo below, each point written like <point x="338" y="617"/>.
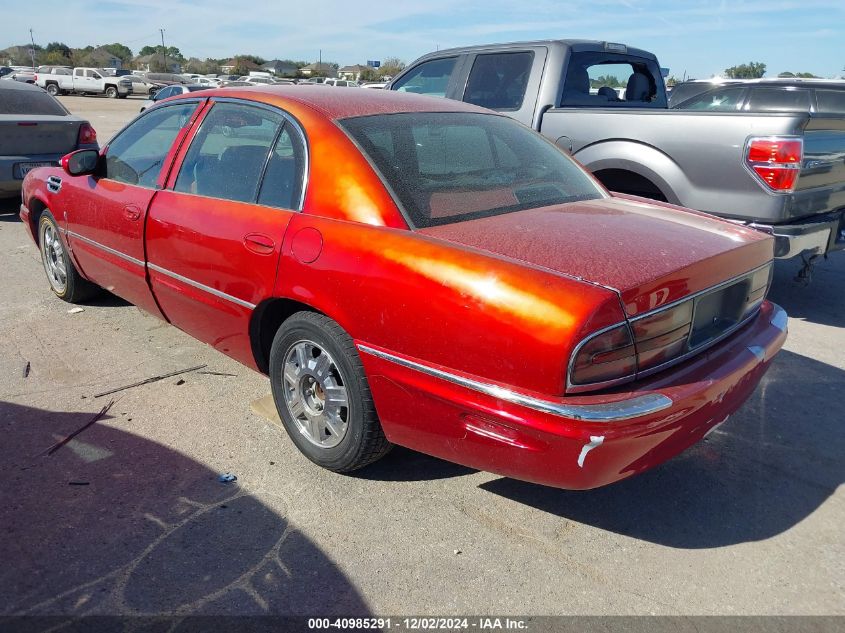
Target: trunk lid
<point x="652" y="254"/>
<point x="27" y="135"/>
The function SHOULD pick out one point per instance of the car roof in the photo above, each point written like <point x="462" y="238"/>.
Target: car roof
<point x="341" y="104"/>
<point x="19" y="85"/>
<point x="780" y="82"/>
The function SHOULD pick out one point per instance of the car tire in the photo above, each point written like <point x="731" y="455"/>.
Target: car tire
<point x="65" y="281"/>
<point x="111" y="92"/>
<point x="322" y="395"/>
<point x="53" y="90"/>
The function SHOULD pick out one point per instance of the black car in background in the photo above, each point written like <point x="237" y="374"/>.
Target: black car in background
<point x="821" y="96"/>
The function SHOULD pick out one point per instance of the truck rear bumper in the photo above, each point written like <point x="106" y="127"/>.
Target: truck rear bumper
<point x="814" y="236"/>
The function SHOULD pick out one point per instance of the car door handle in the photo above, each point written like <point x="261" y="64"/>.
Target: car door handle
<point x="259" y="243"/>
<point x="131" y="212"/>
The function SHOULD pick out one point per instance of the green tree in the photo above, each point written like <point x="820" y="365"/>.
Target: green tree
<point x="751" y="70"/>
<point x="149" y="50"/>
<point x="368" y="74"/>
<point x="119" y="50"/>
<point x="390" y="67"/>
<point x="58" y="47"/>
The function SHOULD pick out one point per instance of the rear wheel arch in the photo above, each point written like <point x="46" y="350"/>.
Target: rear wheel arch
<point x="266" y="320"/>
<point x="624" y="181"/>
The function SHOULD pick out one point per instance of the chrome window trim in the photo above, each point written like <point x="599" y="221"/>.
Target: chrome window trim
<point x="195" y="284"/>
<point x="300" y="131"/>
<point x="103" y="247"/>
<point x="575" y="388"/>
<point x="627" y="409"/>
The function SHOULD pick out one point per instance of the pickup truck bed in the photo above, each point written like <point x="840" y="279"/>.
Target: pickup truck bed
<point x="636" y="145"/>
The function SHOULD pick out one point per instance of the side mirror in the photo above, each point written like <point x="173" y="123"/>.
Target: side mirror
<point x="81" y="162"/>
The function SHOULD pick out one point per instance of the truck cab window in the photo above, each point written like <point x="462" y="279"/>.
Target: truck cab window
<point x="429" y="78"/>
<point x="600" y="79"/>
<point x="498" y="80"/>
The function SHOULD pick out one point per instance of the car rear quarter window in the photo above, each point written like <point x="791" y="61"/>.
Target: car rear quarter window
<point x="429" y="78"/>
<point x="450" y="167"/>
<point x="721" y="100"/>
<point x="831" y="102"/>
<point x="29" y="102"/>
<point x="229" y="153"/>
<point x="136" y="155"/>
<point x="778" y="100"/>
<point x="498" y="80"/>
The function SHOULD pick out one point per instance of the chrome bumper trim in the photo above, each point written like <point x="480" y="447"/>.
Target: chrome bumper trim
<point x="611" y="412"/>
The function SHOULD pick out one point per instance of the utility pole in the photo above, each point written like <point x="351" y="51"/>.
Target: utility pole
<point x="32" y="50"/>
<point x="163" y="51"/>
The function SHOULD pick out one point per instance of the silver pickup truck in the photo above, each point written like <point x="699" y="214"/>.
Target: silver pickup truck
<point x="606" y="104"/>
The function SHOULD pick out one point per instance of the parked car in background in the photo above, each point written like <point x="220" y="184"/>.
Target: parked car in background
<point x="341" y="83"/>
<point x="421" y="272"/>
<point x="166" y="79"/>
<point x="170" y="91"/>
<point x="208" y="82"/>
<point x="35" y="131"/>
<point x="142" y="85"/>
<point x="376" y="85"/>
<point x="257" y="80"/>
<point x="781" y="172"/>
<point x="26" y="76"/>
<point x="816" y="96"/>
<point x="61" y="80"/>
<point x="6" y="70"/>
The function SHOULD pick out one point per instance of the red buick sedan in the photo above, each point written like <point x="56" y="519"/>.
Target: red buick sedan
<point x="418" y="271"/>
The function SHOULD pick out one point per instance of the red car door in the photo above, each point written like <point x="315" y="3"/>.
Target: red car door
<point x="214" y="235"/>
<point x="105" y="224"/>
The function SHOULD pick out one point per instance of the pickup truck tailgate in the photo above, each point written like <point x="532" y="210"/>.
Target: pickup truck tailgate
<point x="821" y="185"/>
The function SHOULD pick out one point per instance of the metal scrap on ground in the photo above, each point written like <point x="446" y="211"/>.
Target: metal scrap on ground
<point x="67" y="439"/>
<point x="149" y="380"/>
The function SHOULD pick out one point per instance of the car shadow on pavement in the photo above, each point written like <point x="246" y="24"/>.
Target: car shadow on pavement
<point x="819" y="301"/>
<point x="9" y="208"/>
<point x="402" y="464"/>
<point x="115" y="524"/>
<point x="769" y="467"/>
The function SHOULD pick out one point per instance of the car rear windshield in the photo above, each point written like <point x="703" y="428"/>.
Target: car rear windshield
<point x="29" y="102"/>
<point x="451" y="167"/>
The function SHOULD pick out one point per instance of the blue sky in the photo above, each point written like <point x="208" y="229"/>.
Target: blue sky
<point x="692" y="37"/>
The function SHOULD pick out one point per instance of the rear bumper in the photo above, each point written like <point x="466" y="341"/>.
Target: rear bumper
<point x="576" y="442"/>
<point x="10" y="179"/>
<point x="814" y="236"/>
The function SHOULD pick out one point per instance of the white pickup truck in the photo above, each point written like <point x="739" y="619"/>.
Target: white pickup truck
<point x="58" y="80"/>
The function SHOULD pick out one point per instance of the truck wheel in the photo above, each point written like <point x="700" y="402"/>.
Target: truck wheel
<point x="322" y="395"/>
<point x="65" y="280"/>
<point x="111" y="92"/>
<point x="52" y="90"/>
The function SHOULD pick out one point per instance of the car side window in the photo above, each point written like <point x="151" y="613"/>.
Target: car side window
<point x="778" y="100"/>
<point x="831" y="101"/>
<point x="229" y="153"/>
<point x="429" y="78"/>
<point x="163" y="94"/>
<point x="498" y="80"/>
<point x="137" y="154"/>
<point x="281" y="186"/>
<point x="722" y="100"/>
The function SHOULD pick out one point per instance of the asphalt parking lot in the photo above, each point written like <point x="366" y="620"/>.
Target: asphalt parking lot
<point x="129" y="516"/>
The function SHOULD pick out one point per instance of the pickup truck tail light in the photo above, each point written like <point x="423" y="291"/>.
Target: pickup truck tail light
<point x="647" y="343"/>
<point x="87" y="135"/>
<point x="775" y="161"/>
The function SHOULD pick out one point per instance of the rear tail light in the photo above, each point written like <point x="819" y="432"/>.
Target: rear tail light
<point x="87" y="135"/>
<point x="775" y="161"/>
<point x="646" y="343"/>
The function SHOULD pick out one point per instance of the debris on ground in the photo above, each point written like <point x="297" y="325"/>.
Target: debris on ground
<point x="26" y="370"/>
<point x="217" y="373"/>
<point x="457" y="552"/>
<point x="67" y="439"/>
<point x="76" y="310"/>
<point x="78" y="483"/>
<point x="149" y="380"/>
<point x="181" y="381"/>
<point x="227" y="478"/>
